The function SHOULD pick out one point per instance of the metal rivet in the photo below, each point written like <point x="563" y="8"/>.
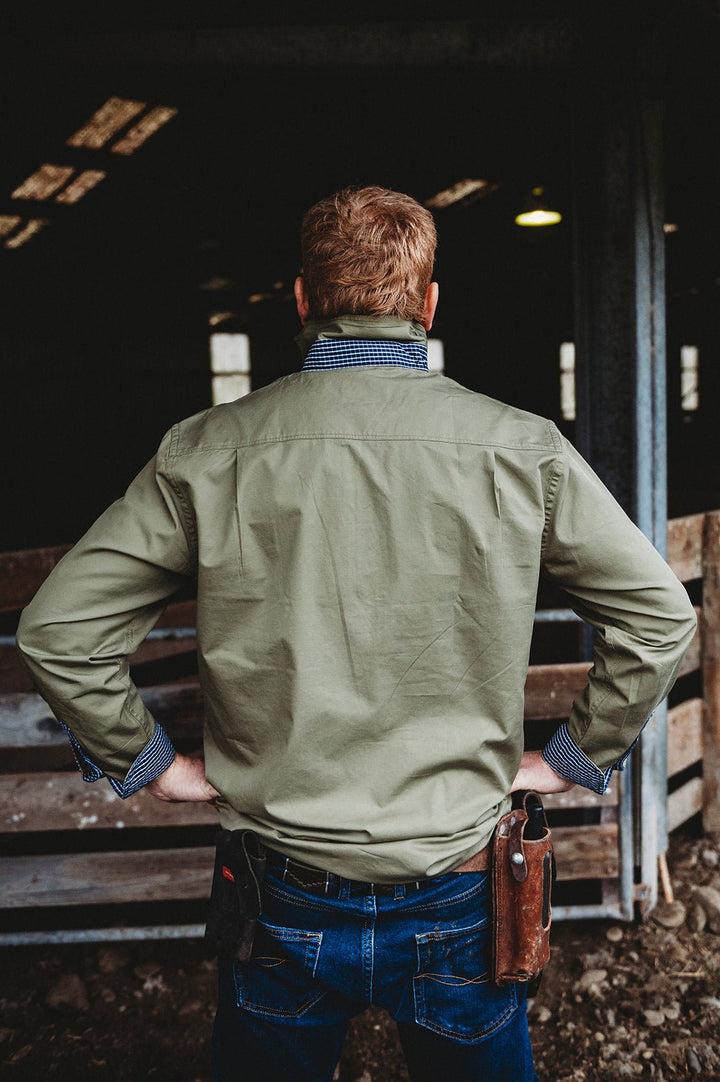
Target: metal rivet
<point x="517" y="858"/>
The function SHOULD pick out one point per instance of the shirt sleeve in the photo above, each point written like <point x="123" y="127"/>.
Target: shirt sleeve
<point x="618" y="583"/>
<point x="93" y="611"/>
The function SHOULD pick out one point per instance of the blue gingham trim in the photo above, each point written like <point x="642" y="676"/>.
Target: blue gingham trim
<point x="567" y="759"/>
<point x="327" y="353"/>
<point x="156" y="756"/>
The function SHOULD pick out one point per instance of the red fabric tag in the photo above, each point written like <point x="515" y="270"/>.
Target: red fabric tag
<point x="228" y="874"/>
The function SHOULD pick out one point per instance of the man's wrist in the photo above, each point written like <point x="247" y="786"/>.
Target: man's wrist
<point x="563" y="755"/>
<point x="184" y="780"/>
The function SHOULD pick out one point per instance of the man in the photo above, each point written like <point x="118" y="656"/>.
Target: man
<point x="367" y="538"/>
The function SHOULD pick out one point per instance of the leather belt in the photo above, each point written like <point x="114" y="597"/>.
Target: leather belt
<point x="317" y="881"/>
<point x="479" y="863"/>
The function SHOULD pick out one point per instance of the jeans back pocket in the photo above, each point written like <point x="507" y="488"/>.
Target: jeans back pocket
<point x="278" y="980"/>
<point x="453" y="989"/>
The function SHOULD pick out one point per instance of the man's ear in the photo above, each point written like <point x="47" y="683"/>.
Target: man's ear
<point x="303" y="307"/>
<point x="431" y="300"/>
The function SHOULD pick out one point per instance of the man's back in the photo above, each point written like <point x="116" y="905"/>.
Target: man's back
<point x="368" y="553"/>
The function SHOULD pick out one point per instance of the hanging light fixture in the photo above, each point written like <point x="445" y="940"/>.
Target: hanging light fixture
<point x="536" y="211"/>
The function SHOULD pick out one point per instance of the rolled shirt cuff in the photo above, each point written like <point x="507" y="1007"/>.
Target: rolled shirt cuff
<point x="567" y="759"/>
<point x="156" y="757"/>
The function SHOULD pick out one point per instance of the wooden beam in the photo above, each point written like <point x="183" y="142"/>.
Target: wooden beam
<point x="684" y="546"/>
<point x="684" y="803"/>
<point x="173" y="874"/>
<point x="684" y="730"/>
<point x="532" y="41"/>
<point x="578" y="797"/>
<point x="179" y="614"/>
<point x="155" y="875"/>
<point x="45" y="801"/>
<point x="587" y="852"/>
<point x="13" y="674"/>
<point x="551" y="689"/>
<point x="21" y="573"/>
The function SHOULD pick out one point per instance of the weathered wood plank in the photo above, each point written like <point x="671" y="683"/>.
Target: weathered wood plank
<point x="577" y="797"/>
<point x="684" y="734"/>
<point x="155" y="875"/>
<point x="174" y="874"/>
<point x="587" y="852"/>
<point x="26" y="721"/>
<point x="684" y="546"/>
<point x="61" y="801"/>
<point x="13" y="674"/>
<point x="711" y="672"/>
<point x="684" y="803"/>
<point x="22" y="572"/>
<point x="159" y="649"/>
<point x="551" y="689"/>
<point x="179" y="614"/>
<point x="46" y="801"/>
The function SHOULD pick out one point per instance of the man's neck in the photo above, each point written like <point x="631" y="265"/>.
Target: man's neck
<point x="366" y="327"/>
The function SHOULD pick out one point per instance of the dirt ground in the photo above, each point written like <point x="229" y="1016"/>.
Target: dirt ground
<point x="617" y="1001"/>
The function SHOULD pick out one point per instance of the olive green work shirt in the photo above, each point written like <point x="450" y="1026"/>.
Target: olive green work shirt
<point x="367" y="544"/>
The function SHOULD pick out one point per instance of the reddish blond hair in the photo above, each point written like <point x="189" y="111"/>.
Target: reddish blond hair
<point x="367" y="251"/>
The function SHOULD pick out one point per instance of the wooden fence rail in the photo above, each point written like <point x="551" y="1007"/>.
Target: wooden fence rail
<point x="73" y="844"/>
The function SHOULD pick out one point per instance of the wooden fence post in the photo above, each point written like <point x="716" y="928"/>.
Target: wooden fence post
<point x="710" y="637"/>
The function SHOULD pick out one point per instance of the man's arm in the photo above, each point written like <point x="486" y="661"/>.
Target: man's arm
<point x="641" y="612"/>
<point x="93" y="611"/>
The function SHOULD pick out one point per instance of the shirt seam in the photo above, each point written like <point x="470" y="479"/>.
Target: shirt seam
<point x="375" y="437"/>
<point x="185" y="511"/>
<point x="552" y="489"/>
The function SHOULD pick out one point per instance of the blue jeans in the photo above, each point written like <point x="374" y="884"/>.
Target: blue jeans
<point x="318" y="960"/>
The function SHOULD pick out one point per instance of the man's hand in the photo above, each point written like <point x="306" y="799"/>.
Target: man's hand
<point x="535" y="773"/>
<point x="184" y="780"/>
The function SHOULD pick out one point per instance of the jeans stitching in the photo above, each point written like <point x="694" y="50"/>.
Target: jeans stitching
<point x="421" y="981"/>
<point x="469" y="893"/>
<point x="450" y="933"/>
<point x="288" y="935"/>
<point x="437" y="1027"/>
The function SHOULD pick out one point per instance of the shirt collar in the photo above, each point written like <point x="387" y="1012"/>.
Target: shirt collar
<point x="351" y="341"/>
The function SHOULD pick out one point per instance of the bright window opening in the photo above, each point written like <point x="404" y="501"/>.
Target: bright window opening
<point x="77" y="188"/>
<point x="141" y="131"/>
<point x="106" y="122"/>
<point x="230" y="366"/>
<point x="567" y="381"/>
<point x="44" y="182"/>
<point x="8" y="223"/>
<point x="436" y="355"/>
<point x="689" y="378"/>
<point x="26" y="233"/>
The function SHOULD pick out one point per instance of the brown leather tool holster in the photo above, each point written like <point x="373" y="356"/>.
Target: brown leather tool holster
<point x="523" y="872"/>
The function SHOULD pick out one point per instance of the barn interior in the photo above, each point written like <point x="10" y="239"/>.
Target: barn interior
<point x="155" y="169"/>
<point x="113" y="288"/>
